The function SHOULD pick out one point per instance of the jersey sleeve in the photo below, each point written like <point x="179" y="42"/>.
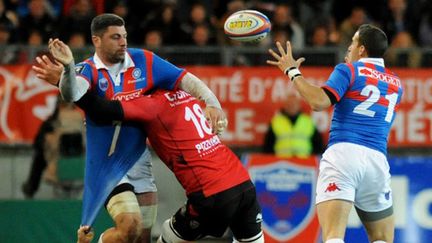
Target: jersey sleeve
<point x="339" y="80"/>
<point x="142" y="109"/>
<point x="84" y="71"/>
<point x="165" y="74"/>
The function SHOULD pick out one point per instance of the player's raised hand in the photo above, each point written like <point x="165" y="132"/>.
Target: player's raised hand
<point x="47" y="70"/>
<point x="85" y="234"/>
<point x="284" y="60"/>
<point x="216" y="118"/>
<point x="60" y="51"/>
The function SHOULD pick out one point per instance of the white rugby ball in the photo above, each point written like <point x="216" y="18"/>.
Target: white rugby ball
<point x="247" y="26"/>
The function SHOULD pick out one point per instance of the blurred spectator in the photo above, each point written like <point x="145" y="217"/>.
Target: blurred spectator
<point x="121" y="8"/>
<point x="399" y="17"/>
<point x="97" y="5"/>
<point x="403" y="51"/>
<point x="35" y="38"/>
<point x="200" y="36"/>
<point x="313" y="13"/>
<point x="77" y="41"/>
<point x="9" y="21"/>
<point x="281" y="35"/>
<point x="52" y="7"/>
<point x="37" y="19"/>
<point x="425" y="26"/>
<point x="5" y="34"/>
<point x="168" y="24"/>
<point x="198" y="17"/>
<point x="350" y="25"/>
<point x="283" y="19"/>
<point x="320" y="37"/>
<point x="59" y="135"/>
<point x="292" y="132"/>
<point x="7" y="55"/>
<point x="79" y="20"/>
<point x="153" y="39"/>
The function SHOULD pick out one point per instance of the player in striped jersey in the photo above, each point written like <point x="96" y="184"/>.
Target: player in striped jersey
<point x="354" y="168"/>
<point x="219" y="190"/>
<point x="118" y="72"/>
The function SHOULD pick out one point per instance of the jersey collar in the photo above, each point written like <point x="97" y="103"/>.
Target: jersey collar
<point x="376" y="61"/>
<point x="127" y="63"/>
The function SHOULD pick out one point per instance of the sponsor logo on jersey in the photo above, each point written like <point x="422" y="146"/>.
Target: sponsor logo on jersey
<point x="136" y="74"/>
<point x="208" y="145"/>
<point x="129" y="95"/>
<point x="79" y="68"/>
<point x="178" y="95"/>
<point x="375" y="74"/>
<point x="285" y="192"/>
<point x="103" y="84"/>
<point x="332" y="187"/>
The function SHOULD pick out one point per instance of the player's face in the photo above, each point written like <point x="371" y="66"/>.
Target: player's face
<point x="354" y="50"/>
<point x="112" y="46"/>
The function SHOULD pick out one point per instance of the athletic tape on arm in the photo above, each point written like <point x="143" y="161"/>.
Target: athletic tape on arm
<point x="197" y="88"/>
<point x="71" y="87"/>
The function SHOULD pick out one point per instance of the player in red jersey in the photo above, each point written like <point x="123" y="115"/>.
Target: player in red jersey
<point x="219" y="191"/>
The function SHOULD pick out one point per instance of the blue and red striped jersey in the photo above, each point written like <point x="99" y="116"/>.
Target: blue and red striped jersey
<point x="368" y="96"/>
<point x="141" y="71"/>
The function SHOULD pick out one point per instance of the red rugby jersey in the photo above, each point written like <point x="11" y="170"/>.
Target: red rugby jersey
<point x="182" y="138"/>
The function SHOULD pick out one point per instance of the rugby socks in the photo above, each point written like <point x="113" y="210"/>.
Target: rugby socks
<point x="334" y="241"/>
<point x="100" y="238"/>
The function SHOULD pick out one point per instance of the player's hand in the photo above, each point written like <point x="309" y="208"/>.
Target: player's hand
<point x="85" y="234"/>
<point x="49" y="71"/>
<point x="60" y="51"/>
<point x="284" y="60"/>
<point x="217" y="119"/>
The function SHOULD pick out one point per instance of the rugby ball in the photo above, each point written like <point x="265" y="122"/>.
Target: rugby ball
<point x="247" y="26"/>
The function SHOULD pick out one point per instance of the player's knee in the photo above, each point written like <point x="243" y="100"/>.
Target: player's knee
<point x="124" y="209"/>
<point x="259" y="238"/>
<point x="148" y="214"/>
<point x="169" y="235"/>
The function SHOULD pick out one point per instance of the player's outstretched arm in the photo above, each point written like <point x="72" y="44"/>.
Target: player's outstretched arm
<point x="314" y="95"/>
<point x="85" y="234"/>
<point x="213" y="111"/>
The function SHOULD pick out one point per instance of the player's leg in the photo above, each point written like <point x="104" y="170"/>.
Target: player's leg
<point x="380" y="230"/>
<point x="333" y="218"/>
<point x="374" y="202"/>
<point x="148" y="208"/>
<point x="340" y="172"/>
<point x="124" y="209"/>
<point x="247" y="217"/>
<point x="141" y="177"/>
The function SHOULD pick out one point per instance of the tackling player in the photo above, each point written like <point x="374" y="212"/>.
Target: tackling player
<point x="354" y="168"/>
<point x="118" y="72"/>
<point x="219" y="191"/>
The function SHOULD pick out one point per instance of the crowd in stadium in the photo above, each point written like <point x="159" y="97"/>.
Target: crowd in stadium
<point x="408" y="23"/>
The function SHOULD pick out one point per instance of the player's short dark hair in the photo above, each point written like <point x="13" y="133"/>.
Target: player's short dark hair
<point x="373" y="39"/>
<point x="101" y="22"/>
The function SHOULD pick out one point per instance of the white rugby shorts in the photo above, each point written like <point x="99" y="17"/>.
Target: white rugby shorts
<point x="355" y="173"/>
<point x="141" y="175"/>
